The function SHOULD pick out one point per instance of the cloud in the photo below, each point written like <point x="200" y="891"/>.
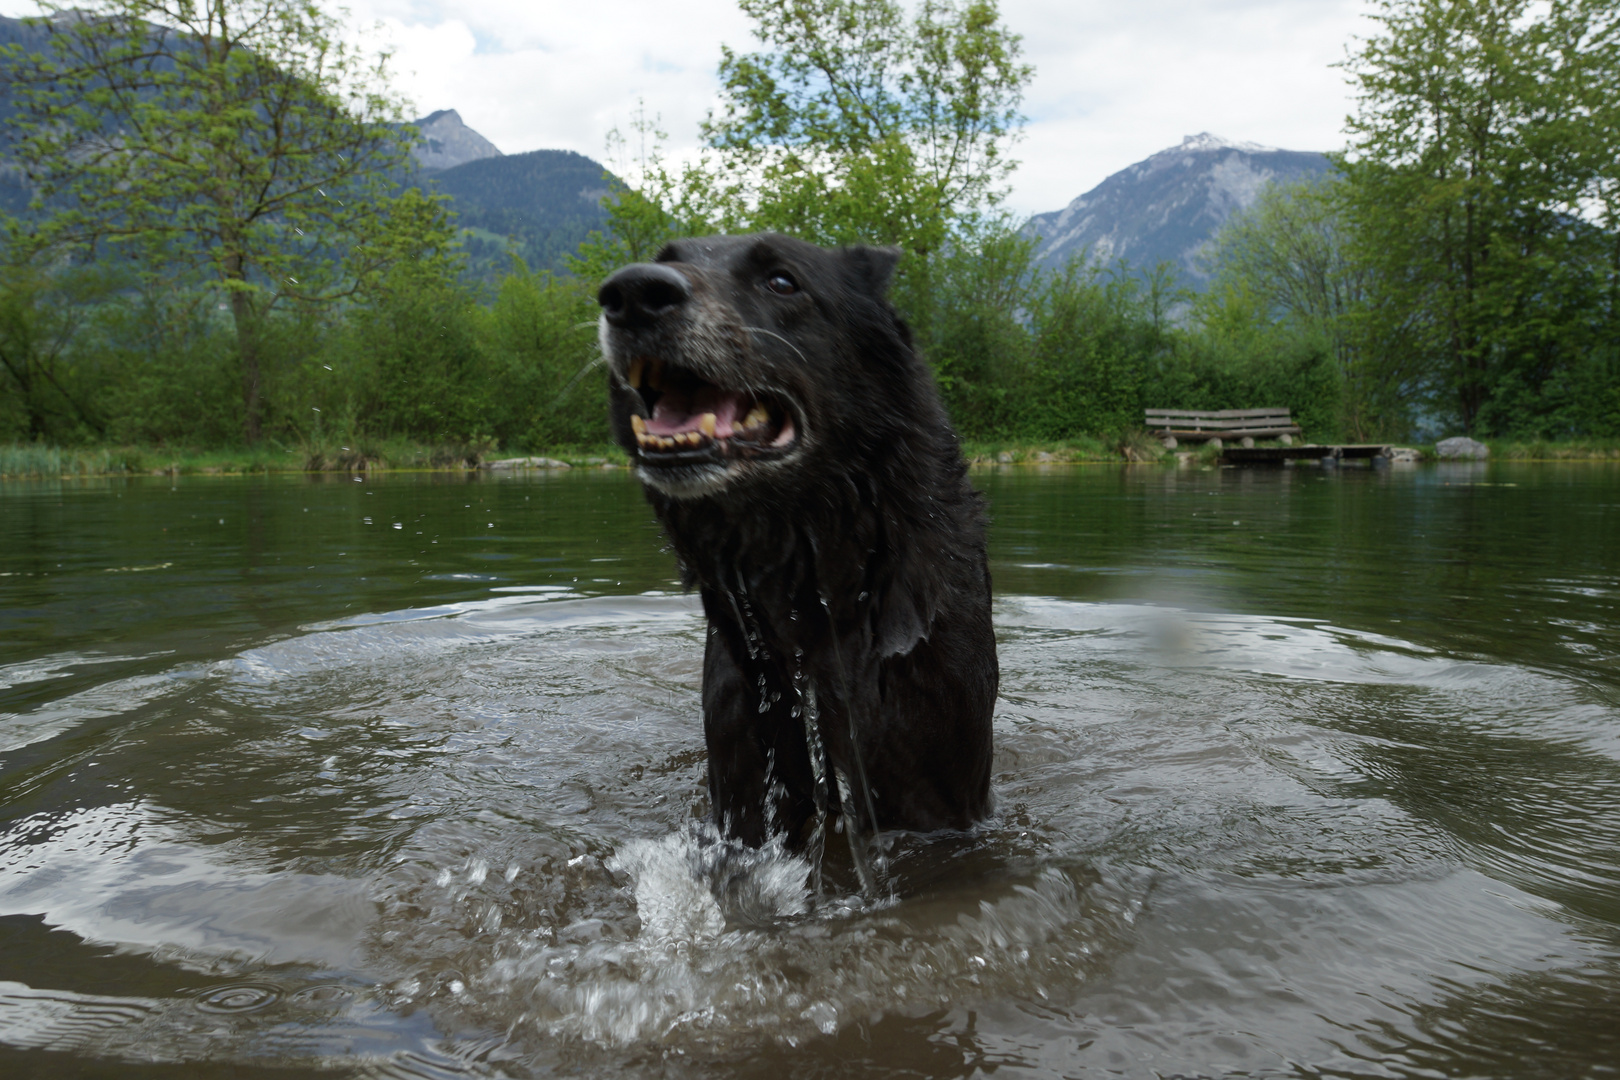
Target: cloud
<point x="1114" y="82"/>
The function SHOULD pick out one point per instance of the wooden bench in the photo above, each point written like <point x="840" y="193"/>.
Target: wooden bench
<point x="1202" y="425"/>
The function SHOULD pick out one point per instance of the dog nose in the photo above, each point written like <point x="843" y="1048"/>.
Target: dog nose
<point x="639" y="294"/>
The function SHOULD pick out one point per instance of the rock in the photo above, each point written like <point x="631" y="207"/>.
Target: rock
<point x="1248" y="443"/>
<point x="1405" y="453"/>
<point x="1185" y="458"/>
<point x="1461" y="446"/>
<point x="1005" y="457"/>
<point x="1286" y="440"/>
<point x="1044" y="456"/>
<point x="1216" y="444"/>
<point x="1169" y="442"/>
<point x="527" y="463"/>
<point x="447" y="142"/>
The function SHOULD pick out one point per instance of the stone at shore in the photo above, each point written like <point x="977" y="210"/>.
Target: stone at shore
<point x="527" y="463"/>
<point x="1462" y="447"/>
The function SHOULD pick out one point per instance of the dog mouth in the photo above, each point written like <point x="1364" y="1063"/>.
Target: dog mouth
<point x="682" y="418"/>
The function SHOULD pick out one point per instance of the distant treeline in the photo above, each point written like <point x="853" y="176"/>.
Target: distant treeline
<point x="433" y="359"/>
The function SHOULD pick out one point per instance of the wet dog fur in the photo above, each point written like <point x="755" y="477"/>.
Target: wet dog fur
<point x="795" y="448"/>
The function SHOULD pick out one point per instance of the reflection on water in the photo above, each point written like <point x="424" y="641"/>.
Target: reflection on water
<point x="1298" y="773"/>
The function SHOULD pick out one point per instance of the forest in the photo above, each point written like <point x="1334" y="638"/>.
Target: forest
<point x="219" y="248"/>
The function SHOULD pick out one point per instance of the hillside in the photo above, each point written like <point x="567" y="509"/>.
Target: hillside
<point x="542" y="203"/>
<point x="1166" y="208"/>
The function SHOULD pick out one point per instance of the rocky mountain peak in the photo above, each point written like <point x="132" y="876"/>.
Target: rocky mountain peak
<point x="1167" y="207"/>
<point x="447" y="142"/>
<point x="1205" y="141"/>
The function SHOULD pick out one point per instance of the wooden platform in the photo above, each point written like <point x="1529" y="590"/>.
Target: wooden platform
<point x="1277" y="455"/>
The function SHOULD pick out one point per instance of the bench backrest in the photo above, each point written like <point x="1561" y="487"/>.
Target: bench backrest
<point x="1217" y="421"/>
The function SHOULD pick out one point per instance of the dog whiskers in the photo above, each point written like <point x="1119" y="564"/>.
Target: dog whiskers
<point x="573" y="382"/>
<point x="778" y="337"/>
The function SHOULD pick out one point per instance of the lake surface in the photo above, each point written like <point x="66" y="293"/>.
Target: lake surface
<point x="1299" y="773"/>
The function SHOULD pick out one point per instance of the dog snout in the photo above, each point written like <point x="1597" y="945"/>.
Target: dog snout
<point x="639" y="294"/>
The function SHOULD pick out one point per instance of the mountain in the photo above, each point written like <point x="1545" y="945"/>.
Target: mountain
<point x="447" y="142"/>
<point x="1168" y="207"/>
<point x="541" y="204"/>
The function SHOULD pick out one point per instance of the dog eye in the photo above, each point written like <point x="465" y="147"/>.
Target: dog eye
<point x="782" y="285"/>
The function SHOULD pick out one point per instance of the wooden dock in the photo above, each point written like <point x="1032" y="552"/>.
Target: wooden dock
<point x="1278" y="455"/>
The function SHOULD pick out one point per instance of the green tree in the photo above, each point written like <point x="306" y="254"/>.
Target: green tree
<point x="240" y="142"/>
<point x="1290" y="263"/>
<point x="42" y="363"/>
<point x="859" y="122"/>
<point x="1481" y="187"/>
<point x="552" y="387"/>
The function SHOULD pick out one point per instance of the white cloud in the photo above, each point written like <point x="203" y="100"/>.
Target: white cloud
<point x="1114" y="82"/>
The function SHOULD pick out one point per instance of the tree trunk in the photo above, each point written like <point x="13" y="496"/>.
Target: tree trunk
<point x="247" y="352"/>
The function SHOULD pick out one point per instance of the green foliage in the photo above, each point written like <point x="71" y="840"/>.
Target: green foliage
<point x="240" y="142"/>
<point x="1482" y="187"/>
<point x="1288" y="271"/>
<point x="553" y="389"/>
<point x="858" y="123"/>
<point x="48" y="386"/>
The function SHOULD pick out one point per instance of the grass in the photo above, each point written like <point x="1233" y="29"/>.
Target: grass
<point x="22" y="460"/>
<point x="32" y="460"/>
<point x="1554" y="450"/>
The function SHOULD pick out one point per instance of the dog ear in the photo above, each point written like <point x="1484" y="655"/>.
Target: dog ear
<point x="872" y="267"/>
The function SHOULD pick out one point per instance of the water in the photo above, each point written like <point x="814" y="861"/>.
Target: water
<point x="1299" y="773"/>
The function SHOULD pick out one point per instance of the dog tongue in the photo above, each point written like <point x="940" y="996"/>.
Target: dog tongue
<point x="673" y="415"/>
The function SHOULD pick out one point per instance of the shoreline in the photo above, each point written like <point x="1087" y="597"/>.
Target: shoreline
<point x="32" y="462"/>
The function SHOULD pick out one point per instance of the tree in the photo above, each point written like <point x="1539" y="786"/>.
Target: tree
<point x="236" y="141"/>
<point x="859" y="123"/>
<point x="1290" y="262"/>
<point x="41" y="316"/>
<point x="1482" y="184"/>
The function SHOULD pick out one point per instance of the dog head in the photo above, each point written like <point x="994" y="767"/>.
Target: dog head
<point x="741" y="360"/>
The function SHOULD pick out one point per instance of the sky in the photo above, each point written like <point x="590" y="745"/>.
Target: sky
<point x="1114" y="82"/>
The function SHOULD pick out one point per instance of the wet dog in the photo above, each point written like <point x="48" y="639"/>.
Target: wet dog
<point x="794" y="446"/>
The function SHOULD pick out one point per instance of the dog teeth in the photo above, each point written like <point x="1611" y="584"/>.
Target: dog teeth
<point x="756" y="416"/>
<point x="633" y="377"/>
<point x="648" y="441"/>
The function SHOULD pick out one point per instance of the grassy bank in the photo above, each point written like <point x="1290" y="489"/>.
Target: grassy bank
<point x="23" y="460"/>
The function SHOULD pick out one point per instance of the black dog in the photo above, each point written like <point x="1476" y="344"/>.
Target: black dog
<point x="796" y="450"/>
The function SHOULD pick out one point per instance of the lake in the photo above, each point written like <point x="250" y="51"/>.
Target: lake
<point x="1299" y="772"/>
